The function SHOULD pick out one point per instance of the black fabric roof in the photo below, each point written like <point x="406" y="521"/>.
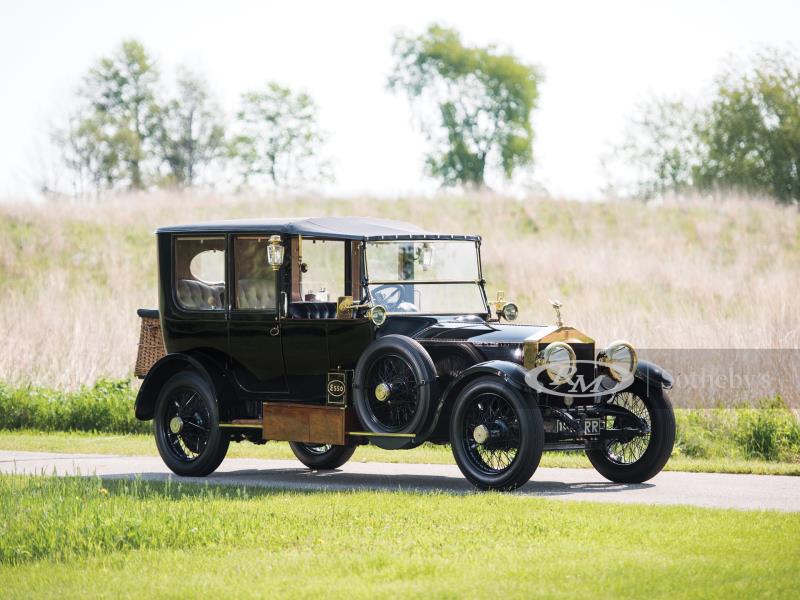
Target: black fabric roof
<point x="338" y="228"/>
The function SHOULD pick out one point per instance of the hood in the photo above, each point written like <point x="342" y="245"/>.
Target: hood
<point x="476" y="330"/>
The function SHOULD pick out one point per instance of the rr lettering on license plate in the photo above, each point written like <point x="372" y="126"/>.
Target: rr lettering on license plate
<point x="592" y="426"/>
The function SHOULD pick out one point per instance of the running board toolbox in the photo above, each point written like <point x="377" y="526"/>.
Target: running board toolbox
<point x="310" y="424"/>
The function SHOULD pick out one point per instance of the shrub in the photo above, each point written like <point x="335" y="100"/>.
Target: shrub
<point x="770" y="432"/>
<point x="107" y="406"/>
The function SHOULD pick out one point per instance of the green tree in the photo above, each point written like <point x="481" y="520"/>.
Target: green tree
<point x="751" y="137"/>
<point x="661" y="144"/>
<point x="474" y="103"/>
<point x="279" y="138"/>
<point x="746" y="137"/>
<point x="121" y="91"/>
<point x="191" y="134"/>
<point x="86" y="152"/>
<point x="108" y="140"/>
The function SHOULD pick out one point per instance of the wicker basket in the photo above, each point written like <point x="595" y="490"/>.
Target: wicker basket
<point x="151" y="344"/>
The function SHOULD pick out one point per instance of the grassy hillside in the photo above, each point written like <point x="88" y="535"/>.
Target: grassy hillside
<point x="678" y="275"/>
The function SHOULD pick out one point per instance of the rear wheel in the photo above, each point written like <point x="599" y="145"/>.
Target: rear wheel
<point x="497" y="435"/>
<point x="637" y="459"/>
<point x="186" y="426"/>
<point x="322" y="456"/>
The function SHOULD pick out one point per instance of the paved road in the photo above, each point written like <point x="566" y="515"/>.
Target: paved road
<point x="749" y="492"/>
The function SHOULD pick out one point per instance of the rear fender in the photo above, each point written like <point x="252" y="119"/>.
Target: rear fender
<point x="166" y="367"/>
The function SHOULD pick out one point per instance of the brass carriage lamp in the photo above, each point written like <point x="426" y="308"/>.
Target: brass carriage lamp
<point x="275" y="252"/>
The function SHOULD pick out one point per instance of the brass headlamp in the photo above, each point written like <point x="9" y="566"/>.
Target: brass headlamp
<point x="507" y="310"/>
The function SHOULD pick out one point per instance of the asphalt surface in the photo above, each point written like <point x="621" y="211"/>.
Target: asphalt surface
<point x="746" y="492"/>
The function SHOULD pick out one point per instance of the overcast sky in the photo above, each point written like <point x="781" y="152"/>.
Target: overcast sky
<point x="599" y="60"/>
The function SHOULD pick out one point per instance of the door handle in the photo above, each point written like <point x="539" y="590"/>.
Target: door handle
<point x="275" y="331"/>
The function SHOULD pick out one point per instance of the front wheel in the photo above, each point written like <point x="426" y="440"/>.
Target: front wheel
<point x="497" y="435"/>
<point x="322" y="456"/>
<point x="639" y="458"/>
<point x="186" y="426"/>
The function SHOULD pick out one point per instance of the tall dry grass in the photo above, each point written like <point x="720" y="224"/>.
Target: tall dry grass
<point x="682" y="274"/>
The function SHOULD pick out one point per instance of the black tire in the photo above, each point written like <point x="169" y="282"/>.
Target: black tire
<point x="406" y="368"/>
<point x="641" y="458"/>
<point x="199" y="446"/>
<point x="322" y="457"/>
<point x="517" y="423"/>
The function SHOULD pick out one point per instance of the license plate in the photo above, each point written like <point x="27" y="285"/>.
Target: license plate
<point x="592" y="426"/>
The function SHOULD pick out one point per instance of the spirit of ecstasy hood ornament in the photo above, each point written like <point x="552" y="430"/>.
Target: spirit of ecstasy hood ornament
<point x="557" y="305"/>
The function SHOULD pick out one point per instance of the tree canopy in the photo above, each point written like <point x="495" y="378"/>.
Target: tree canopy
<point x="278" y="137"/>
<point x="109" y="138"/>
<point x="126" y="134"/>
<point x="191" y="133"/>
<point x="474" y="104"/>
<point x="746" y="137"/>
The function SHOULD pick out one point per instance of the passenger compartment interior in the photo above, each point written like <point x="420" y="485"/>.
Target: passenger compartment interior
<point x="193" y="294"/>
<point x="256" y="293"/>
<point x="312" y="310"/>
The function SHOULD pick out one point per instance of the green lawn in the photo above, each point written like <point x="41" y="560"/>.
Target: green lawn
<point x="79" y="537"/>
<point x="134" y="444"/>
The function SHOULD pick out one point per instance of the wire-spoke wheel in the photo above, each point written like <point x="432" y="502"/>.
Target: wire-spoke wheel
<point x="491" y="413"/>
<point x="497" y="435"/>
<point x="322" y="456"/>
<point x="638" y="457"/>
<point x="627" y="452"/>
<point x="186" y="426"/>
<point x="317" y="449"/>
<point x="186" y="422"/>
<point x="392" y="392"/>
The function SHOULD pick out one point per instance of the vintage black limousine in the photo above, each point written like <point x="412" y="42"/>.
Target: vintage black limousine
<point x="334" y="332"/>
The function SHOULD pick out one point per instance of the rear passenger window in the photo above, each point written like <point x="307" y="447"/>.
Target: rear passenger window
<point x="209" y="267"/>
<point x="256" y="282"/>
<point x="200" y="273"/>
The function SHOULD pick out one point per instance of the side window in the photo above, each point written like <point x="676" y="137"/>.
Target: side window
<point x="256" y="282"/>
<point x="323" y="279"/>
<point x="200" y="273"/>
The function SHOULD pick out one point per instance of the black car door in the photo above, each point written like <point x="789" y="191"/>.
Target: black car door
<point x="254" y="327"/>
<point x="195" y="317"/>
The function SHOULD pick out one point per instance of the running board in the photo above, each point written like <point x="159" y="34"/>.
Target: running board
<point x="386" y="435"/>
<point x="243" y="424"/>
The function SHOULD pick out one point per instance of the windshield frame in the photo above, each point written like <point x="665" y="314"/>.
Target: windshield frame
<point x="480" y="281"/>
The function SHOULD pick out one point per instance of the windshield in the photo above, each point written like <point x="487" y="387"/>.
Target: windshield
<point x="433" y="277"/>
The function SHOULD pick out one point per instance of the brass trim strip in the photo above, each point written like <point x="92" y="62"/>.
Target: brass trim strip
<point x="370" y="434"/>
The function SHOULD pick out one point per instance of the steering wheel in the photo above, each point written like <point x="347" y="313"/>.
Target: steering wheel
<point x="390" y="295"/>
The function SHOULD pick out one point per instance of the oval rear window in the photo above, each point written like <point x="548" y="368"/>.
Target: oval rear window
<point x="209" y="266"/>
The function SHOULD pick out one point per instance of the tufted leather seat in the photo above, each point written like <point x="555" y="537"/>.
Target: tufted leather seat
<point x="312" y="310"/>
<point x="197" y="295"/>
<point x="256" y="293"/>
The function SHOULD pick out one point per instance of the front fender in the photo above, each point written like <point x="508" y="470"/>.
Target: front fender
<point x="157" y="376"/>
<point x="653" y="375"/>
<point x="511" y="373"/>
